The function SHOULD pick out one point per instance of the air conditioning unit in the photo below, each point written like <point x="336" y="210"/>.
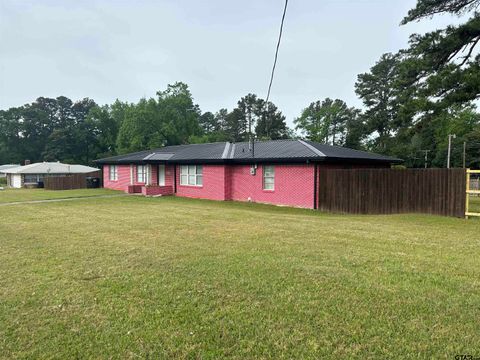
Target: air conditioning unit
<point x="253" y="170"/>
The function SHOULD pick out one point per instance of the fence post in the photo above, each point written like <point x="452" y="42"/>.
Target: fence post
<point x="467" y="192"/>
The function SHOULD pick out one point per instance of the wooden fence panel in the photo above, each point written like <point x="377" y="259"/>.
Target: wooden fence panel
<point x="68" y="182"/>
<point x="391" y="191"/>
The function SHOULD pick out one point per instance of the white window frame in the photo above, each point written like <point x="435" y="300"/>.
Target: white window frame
<point x="161" y="175"/>
<point x="191" y="175"/>
<point x="143" y="173"/>
<point x="268" y="177"/>
<point x="113" y="173"/>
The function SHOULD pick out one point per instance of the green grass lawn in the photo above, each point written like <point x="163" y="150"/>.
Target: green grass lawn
<point x="474" y="204"/>
<point x="16" y="195"/>
<point x="134" y="277"/>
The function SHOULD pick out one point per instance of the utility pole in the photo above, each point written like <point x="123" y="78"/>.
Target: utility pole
<point x="251" y="141"/>
<point x="450" y="137"/>
<point x="464" y="153"/>
<point x="426" y="157"/>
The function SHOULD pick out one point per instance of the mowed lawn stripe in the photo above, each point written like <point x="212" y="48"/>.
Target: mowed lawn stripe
<point x="25" y="195"/>
<point x="180" y="278"/>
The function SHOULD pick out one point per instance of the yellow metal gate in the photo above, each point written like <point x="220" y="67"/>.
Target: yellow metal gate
<point x="471" y="192"/>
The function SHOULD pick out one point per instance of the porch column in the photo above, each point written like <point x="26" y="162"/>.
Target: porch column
<point x="149" y="174"/>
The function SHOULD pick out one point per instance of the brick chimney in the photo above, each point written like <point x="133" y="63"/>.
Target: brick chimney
<point x="27" y="162"/>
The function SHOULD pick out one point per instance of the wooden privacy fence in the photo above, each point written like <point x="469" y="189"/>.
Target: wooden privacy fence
<point x="68" y="182"/>
<point x="391" y="191"/>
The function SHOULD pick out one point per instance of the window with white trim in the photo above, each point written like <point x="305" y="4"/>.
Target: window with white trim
<point x="113" y="172"/>
<point x="141" y="173"/>
<point x="269" y="177"/>
<point x="191" y="175"/>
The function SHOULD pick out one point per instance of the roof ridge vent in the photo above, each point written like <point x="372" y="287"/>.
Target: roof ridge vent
<point x="232" y="153"/>
<point x="312" y="148"/>
<point x="226" y="150"/>
<point x="149" y="156"/>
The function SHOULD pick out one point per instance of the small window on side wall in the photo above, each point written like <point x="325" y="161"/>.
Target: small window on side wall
<point x="113" y="173"/>
<point x="269" y="177"/>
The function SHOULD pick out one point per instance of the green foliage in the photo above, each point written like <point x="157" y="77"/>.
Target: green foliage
<point x="82" y="131"/>
<point x="442" y="66"/>
<point x="464" y="123"/>
<point x="378" y="91"/>
<point x="171" y="119"/>
<point x="252" y="114"/>
<point x="236" y="126"/>
<point x="141" y="128"/>
<point x="414" y="99"/>
<point x="177" y="114"/>
<point x="429" y="8"/>
<point x="47" y="129"/>
<point x="208" y="122"/>
<point x="330" y="122"/>
<point x="10" y="130"/>
<point x="271" y="124"/>
<point x="70" y="138"/>
<point x="103" y="130"/>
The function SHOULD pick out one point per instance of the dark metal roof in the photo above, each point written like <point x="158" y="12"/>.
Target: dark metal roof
<point x="213" y="151"/>
<point x="265" y="151"/>
<point x="279" y="149"/>
<point x="337" y="152"/>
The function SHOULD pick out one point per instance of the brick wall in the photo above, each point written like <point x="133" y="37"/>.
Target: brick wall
<point x="214" y="184"/>
<point x="155" y="190"/>
<point x="293" y="185"/>
<point x="123" y="178"/>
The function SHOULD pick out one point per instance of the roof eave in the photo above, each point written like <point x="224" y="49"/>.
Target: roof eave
<point x="298" y="160"/>
<point x="361" y="160"/>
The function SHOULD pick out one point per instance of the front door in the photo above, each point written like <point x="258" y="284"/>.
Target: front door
<point x="16" y="180"/>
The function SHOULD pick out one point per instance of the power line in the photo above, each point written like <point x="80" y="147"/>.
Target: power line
<point x="276" y="51"/>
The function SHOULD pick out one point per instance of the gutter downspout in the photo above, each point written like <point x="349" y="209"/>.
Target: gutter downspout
<point x="315" y="185"/>
<point x="175" y="178"/>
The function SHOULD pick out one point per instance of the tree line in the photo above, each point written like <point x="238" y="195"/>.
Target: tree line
<point x="412" y="100"/>
<point x="80" y="132"/>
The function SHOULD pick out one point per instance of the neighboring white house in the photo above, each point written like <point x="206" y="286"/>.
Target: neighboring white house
<point x="5" y="167"/>
<point x="31" y="175"/>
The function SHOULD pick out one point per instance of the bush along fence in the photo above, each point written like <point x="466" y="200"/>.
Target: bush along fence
<point x="391" y="191"/>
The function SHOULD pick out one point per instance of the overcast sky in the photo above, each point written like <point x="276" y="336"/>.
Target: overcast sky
<point x="223" y="49"/>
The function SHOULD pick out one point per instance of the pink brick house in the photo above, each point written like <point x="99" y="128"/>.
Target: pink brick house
<point x="282" y="172"/>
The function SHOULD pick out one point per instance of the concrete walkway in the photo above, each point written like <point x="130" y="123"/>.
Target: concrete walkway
<point x="60" y="200"/>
